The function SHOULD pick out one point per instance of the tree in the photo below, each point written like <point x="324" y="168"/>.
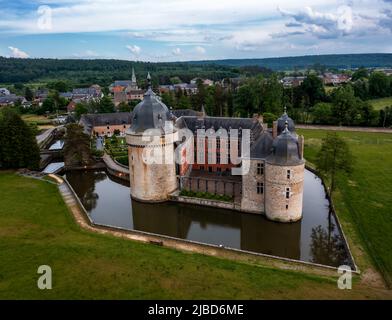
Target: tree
<point x="313" y="89"/>
<point x="244" y="101"/>
<point x="183" y="102"/>
<point x="322" y="113"/>
<point x="272" y="96"/>
<point x="360" y="74"/>
<point x="106" y="105"/>
<point x="361" y="89"/>
<point x="333" y="158"/>
<point x="124" y="107"/>
<point x="18" y="146"/>
<point x="80" y="108"/>
<point x="385" y="118"/>
<point x="269" y="118"/>
<point x="29" y="95"/>
<point x="344" y="105"/>
<point x="77" y="150"/>
<point x="379" y="85"/>
<point x="59" y="86"/>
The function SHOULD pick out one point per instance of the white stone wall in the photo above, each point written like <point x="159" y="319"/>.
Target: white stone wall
<point x="251" y="201"/>
<point x="276" y="182"/>
<point x="150" y="182"/>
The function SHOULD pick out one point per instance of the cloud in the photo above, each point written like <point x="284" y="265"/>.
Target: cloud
<point x="86" y="54"/>
<point x="17" y="53"/>
<point x="200" y="50"/>
<point x="176" y="52"/>
<point x="322" y="25"/>
<point x="135" y="50"/>
<point x="386" y="21"/>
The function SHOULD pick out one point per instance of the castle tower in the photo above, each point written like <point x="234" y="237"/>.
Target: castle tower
<point x="284" y="178"/>
<point x="150" y="142"/>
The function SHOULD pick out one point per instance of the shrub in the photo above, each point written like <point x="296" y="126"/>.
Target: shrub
<point x="205" y="195"/>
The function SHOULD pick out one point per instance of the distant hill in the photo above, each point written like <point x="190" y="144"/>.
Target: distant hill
<point x="339" y="61"/>
<point x="104" y="71"/>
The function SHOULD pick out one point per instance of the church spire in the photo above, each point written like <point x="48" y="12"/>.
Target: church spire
<point x="133" y="75"/>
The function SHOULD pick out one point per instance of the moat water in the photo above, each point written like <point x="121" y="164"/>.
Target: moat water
<point x="316" y="238"/>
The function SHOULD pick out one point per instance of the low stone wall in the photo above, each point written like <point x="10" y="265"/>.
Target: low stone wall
<point x="83" y="219"/>
<point x="206" y="202"/>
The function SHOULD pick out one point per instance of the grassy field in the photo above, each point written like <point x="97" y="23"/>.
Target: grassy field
<point x="364" y="200"/>
<point x="379" y="104"/>
<point x="36" y="228"/>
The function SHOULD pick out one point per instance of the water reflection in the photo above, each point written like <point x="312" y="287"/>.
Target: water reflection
<point x="315" y="238"/>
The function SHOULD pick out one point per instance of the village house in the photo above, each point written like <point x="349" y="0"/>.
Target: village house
<point x="11" y="100"/>
<point x="40" y="96"/>
<point x="4" y="92"/>
<point x="206" y="82"/>
<point x="124" y="91"/>
<point x="335" y="79"/>
<point x="187" y="88"/>
<point x="289" y="82"/>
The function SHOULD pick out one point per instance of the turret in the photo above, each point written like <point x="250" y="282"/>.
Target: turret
<point x="150" y="142"/>
<point x="284" y="179"/>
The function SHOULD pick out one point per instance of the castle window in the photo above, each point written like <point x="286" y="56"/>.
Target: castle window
<point x="287" y="206"/>
<point x="288" y="174"/>
<point x="260" y="168"/>
<point x="287" y="193"/>
<point x="260" y="188"/>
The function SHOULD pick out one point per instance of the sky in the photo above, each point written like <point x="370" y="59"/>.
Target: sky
<point x="183" y="30"/>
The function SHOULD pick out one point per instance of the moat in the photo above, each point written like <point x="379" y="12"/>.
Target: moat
<point x="316" y="238"/>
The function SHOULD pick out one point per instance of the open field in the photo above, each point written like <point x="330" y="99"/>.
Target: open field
<point x="364" y="200"/>
<point x="379" y="104"/>
<point x="37" y="229"/>
<point x="42" y="122"/>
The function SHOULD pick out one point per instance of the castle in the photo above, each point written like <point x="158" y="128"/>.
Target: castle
<point x="271" y="181"/>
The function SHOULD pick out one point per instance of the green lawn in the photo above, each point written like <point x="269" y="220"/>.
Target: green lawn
<point x="36" y="228"/>
<point x="379" y="104"/>
<point x="364" y="200"/>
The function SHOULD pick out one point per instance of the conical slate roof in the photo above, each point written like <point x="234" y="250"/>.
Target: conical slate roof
<point x="151" y="113"/>
<point x="282" y="123"/>
<point x="285" y="149"/>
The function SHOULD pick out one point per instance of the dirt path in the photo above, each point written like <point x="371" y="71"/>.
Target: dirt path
<point x="342" y="128"/>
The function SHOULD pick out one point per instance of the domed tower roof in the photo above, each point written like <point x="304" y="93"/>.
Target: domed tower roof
<point x="151" y="113"/>
<point x="285" y="149"/>
<point x="282" y="123"/>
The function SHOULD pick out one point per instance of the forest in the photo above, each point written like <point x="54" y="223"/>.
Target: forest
<point x="103" y="72"/>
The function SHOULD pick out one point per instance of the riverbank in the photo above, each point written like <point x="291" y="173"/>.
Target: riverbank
<point x="363" y="200"/>
<point x="38" y="229"/>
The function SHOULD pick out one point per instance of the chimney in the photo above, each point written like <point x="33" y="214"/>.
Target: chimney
<point x="301" y="143"/>
<point x="275" y="129"/>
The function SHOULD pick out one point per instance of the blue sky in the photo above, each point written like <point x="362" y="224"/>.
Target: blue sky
<point x="180" y="30"/>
